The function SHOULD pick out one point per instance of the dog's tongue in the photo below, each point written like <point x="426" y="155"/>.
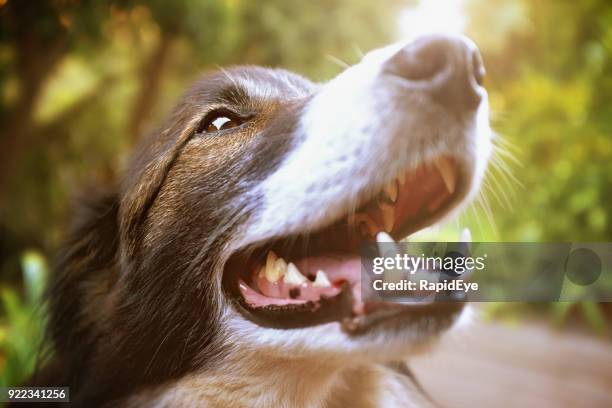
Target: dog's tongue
<point x="338" y="269"/>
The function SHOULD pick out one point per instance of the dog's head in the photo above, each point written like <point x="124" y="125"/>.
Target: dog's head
<point x="237" y="225"/>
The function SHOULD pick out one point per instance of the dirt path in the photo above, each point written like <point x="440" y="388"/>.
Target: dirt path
<point x="492" y="365"/>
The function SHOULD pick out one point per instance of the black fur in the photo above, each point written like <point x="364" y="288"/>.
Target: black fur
<point x="136" y="296"/>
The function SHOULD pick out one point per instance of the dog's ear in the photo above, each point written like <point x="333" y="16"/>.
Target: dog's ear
<point x="79" y="297"/>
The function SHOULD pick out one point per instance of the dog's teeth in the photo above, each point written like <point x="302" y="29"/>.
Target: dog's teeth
<point x="384" y="237"/>
<point x="293" y="276"/>
<point x="391" y="191"/>
<point x="445" y="168"/>
<point x="388" y="215"/>
<point x="383" y="241"/>
<point x="401" y="179"/>
<point x="465" y="240"/>
<point x="275" y="267"/>
<point x="270" y="259"/>
<point x="466" y="235"/>
<point x="367" y="223"/>
<point x="321" y="280"/>
<point x="387" y="247"/>
<point x="280" y="267"/>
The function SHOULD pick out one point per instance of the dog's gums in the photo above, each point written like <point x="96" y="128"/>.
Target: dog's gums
<point x="311" y="274"/>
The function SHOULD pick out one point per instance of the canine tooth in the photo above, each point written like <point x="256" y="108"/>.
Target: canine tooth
<point x="275" y="267"/>
<point x="384" y="242"/>
<point x="465" y="240"/>
<point x="466" y="235"/>
<point x="384" y="237"/>
<point x="448" y="175"/>
<point x="293" y="276"/>
<point x="391" y="190"/>
<point x="388" y="214"/>
<point x="321" y="280"/>
<point x="270" y="259"/>
<point x="401" y="179"/>
<point x="389" y="248"/>
<point x="387" y="245"/>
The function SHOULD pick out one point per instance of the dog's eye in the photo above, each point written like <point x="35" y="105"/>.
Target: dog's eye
<point x="219" y="120"/>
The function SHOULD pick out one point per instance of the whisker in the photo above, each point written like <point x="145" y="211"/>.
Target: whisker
<point x="358" y="50"/>
<point x="500" y="183"/>
<point x="337" y="61"/>
<point x="482" y="199"/>
<point x="502" y="152"/>
<point x="505" y="172"/>
<point x="491" y="190"/>
<point x="477" y="218"/>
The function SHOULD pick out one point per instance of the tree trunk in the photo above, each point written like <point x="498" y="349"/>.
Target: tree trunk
<point x="36" y="57"/>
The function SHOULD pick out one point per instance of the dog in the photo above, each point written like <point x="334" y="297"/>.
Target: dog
<point x="223" y="269"/>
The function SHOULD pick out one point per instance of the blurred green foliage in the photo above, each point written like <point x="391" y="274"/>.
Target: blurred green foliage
<point x="81" y="79"/>
<point x="21" y="324"/>
<point x="551" y="84"/>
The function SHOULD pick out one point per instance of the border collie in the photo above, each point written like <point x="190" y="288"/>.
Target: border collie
<point x="224" y="269"/>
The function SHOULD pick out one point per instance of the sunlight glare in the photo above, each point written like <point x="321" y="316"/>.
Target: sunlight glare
<point x="429" y="16"/>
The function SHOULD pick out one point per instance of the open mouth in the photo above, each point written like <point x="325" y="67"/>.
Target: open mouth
<point x="315" y="277"/>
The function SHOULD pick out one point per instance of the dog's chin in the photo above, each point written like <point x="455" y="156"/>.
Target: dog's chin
<point x="329" y="343"/>
<point x="313" y="279"/>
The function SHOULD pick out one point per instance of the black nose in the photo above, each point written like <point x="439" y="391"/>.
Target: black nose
<point x="450" y="69"/>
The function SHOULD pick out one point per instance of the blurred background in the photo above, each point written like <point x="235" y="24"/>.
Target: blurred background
<point x="82" y="79"/>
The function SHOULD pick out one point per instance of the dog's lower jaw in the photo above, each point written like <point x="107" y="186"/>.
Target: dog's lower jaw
<point x="250" y="381"/>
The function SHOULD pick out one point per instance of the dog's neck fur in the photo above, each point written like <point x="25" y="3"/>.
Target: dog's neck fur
<point x="252" y="381"/>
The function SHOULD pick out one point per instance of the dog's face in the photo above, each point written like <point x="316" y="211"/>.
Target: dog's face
<point x="239" y="221"/>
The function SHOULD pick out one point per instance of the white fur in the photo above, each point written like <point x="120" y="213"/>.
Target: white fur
<point x="355" y="136"/>
<point x="354" y="140"/>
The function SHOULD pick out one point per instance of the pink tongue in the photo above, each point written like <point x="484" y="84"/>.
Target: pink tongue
<point x="339" y="269"/>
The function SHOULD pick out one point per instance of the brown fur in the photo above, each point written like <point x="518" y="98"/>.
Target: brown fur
<point x="139" y="311"/>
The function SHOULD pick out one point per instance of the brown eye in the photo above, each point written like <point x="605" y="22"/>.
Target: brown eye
<point x="221" y="120"/>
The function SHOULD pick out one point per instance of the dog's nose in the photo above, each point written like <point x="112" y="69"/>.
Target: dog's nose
<point x="448" y="68"/>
